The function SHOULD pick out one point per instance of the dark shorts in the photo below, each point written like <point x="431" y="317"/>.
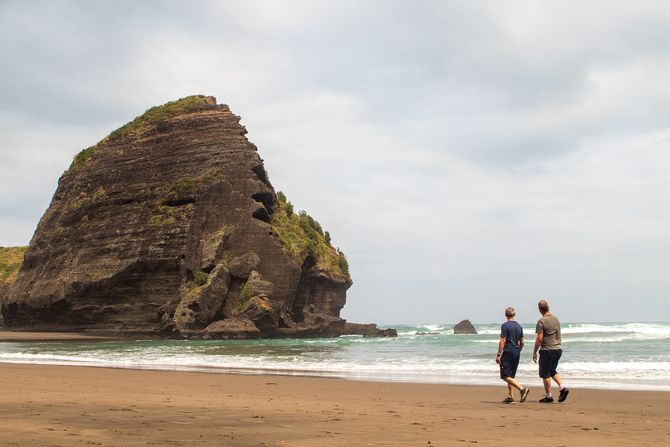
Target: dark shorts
<point x="549" y="362"/>
<point x="509" y="362"/>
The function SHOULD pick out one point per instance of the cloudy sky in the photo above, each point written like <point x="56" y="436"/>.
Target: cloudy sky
<point x="466" y="155"/>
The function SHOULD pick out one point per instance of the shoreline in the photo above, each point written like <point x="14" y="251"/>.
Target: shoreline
<point x="19" y="336"/>
<point x="335" y="371"/>
<point x="72" y="405"/>
<point x="336" y="375"/>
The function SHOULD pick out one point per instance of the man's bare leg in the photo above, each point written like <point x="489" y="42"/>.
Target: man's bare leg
<point x="563" y="390"/>
<point x="547" y="386"/>
<point x="511" y="383"/>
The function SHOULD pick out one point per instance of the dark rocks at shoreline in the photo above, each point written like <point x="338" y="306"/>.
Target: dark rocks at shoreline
<point x="368" y="330"/>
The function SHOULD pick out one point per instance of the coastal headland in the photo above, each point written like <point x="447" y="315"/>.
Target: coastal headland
<point x="169" y="227"/>
<point x="68" y="406"/>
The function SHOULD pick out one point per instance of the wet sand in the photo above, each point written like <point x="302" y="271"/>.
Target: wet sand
<point x="48" y="336"/>
<point x="70" y="406"/>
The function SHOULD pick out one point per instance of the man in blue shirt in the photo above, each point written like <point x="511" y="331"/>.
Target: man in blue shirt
<point x="509" y="352"/>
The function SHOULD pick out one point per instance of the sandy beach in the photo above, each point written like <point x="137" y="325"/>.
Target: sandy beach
<point x="65" y="406"/>
<point x="48" y="336"/>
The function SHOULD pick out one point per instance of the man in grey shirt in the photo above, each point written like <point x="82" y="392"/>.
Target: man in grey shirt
<point x="548" y="341"/>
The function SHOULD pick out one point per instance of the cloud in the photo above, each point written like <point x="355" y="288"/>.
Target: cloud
<point x="465" y="155"/>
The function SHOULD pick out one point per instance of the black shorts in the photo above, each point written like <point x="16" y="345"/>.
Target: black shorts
<point x="509" y="362"/>
<point x="549" y="362"/>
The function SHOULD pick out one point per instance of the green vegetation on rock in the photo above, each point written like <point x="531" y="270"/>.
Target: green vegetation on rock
<point x="146" y="122"/>
<point x="10" y="262"/>
<point x="246" y="292"/>
<point x="158" y="220"/>
<point x="302" y="235"/>
<point x="187" y="186"/>
<point x="212" y="176"/>
<point x="182" y="187"/>
<point x="200" y="279"/>
<point x="342" y="262"/>
<point x="84" y="155"/>
<point x="165" y="215"/>
<point x="100" y="194"/>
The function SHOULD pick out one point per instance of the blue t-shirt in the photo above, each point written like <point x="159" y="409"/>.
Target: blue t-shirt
<point x="513" y="332"/>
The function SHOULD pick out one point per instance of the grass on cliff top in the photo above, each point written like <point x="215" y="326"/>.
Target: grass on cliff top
<point x="302" y="235"/>
<point x="10" y="262"/>
<point x="145" y="122"/>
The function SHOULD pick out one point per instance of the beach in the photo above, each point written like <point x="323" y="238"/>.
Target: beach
<point x="49" y="405"/>
<point x="9" y="336"/>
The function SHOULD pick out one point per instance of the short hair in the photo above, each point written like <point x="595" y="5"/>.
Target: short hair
<point x="510" y="312"/>
<point x="543" y="306"/>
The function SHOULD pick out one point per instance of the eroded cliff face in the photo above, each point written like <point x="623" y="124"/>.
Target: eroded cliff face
<point x="170" y="226"/>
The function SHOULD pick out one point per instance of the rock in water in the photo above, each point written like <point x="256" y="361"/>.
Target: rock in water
<point x="465" y="327"/>
<point x="169" y="226"/>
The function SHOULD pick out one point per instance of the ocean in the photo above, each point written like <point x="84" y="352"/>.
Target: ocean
<point x="634" y="356"/>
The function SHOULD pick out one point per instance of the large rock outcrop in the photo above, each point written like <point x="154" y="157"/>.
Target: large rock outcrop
<point x="170" y="227"/>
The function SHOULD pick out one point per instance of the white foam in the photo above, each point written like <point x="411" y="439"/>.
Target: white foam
<point x="432" y="327"/>
<point x="648" y="329"/>
<point x="439" y="359"/>
<point x="488" y="331"/>
<point x="619" y="375"/>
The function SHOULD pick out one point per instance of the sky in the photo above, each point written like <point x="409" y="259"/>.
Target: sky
<point x="465" y="155"/>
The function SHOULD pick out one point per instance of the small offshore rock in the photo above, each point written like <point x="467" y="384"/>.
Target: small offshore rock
<point x="465" y="327"/>
<point x="368" y="330"/>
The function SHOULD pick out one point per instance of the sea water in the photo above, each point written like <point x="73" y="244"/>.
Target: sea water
<point x="595" y="355"/>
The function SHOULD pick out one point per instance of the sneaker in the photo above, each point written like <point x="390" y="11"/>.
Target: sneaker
<point x="524" y="394"/>
<point x="509" y="400"/>
<point x="547" y="400"/>
<point x="563" y="395"/>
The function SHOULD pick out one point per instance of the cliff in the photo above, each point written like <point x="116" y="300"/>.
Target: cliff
<point x="170" y="226"/>
<point x="10" y="261"/>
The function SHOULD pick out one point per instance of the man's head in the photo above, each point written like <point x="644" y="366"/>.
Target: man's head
<point x="510" y="312"/>
<point x="543" y="307"/>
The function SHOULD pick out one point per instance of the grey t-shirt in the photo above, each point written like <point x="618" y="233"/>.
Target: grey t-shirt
<point x="551" y="328"/>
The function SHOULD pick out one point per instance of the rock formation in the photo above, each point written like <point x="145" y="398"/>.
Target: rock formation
<point x="465" y="327"/>
<point x="10" y="261"/>
<point x="170" y="226"/>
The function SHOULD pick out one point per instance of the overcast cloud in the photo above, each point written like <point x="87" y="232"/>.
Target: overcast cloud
<point x="466" y="155"/>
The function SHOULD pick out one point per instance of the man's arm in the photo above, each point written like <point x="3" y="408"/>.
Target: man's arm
<point x="521" y="344"/>
<point x="538" y="343"/>
<point x="501" y="346"/>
